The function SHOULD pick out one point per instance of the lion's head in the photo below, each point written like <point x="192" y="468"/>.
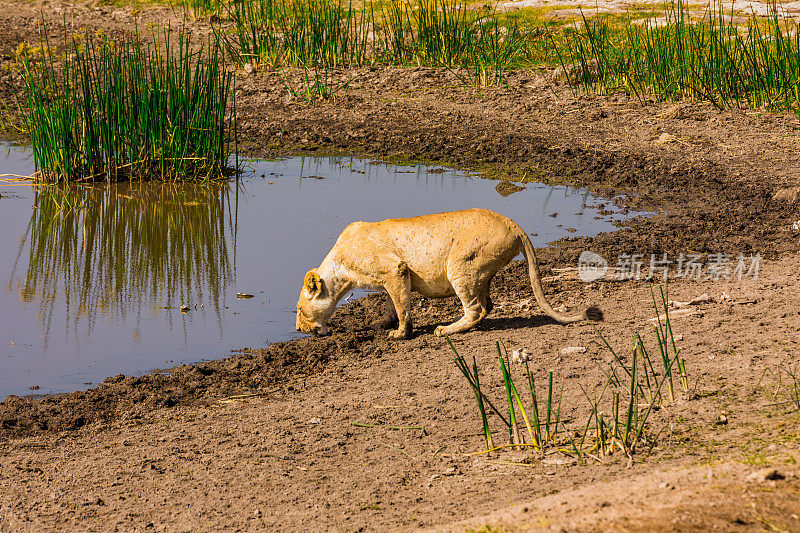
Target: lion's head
<point x="314" y="307"/>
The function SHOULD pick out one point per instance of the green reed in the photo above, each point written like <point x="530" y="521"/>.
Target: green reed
<point x="318" y="33"/>
<point x="298" y="32"/>
<point x="786" y="391"/>
<point x="515" y="403"/>
<point x="615" y="422"/>
<point x="128" y="109"/>
<point x="114" y="250"/>
<point x="709" y="58"/>
<point x="202" y="9"/>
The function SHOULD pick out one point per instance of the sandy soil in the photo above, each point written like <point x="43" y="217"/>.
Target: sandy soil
<point x="307" y="441"/>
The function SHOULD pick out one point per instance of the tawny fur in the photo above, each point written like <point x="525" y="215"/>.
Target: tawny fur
<point x="440" y="255"/>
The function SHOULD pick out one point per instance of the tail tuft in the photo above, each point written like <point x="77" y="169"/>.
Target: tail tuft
<point x="594" y="314"/>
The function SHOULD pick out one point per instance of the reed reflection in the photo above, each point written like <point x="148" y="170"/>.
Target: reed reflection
<point x="115" y="253"/>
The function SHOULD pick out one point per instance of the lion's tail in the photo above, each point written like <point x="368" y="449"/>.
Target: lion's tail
<point x="592" y="313"/>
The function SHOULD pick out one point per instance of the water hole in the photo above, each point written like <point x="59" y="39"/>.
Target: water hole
<point x="101" y="280"/>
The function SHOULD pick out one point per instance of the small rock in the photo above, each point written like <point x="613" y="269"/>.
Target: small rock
<point x="520" y="356"/>
<point x="257" y="513"/>
<point x="553" y="461"/>
<point x="449" y="471"/>
<point x="721" y="421"/>
<point x="249" y="68"/>
<point x="765" y="474"/>
<point x="668" y="486"/>
<point x="315" y="420"/>
<point x="788" y="194"/>
<point x="506" y="188"/>
<point x="666" y="138"/>
<point x="574" y="72"/>
<point x="573" y="350"/>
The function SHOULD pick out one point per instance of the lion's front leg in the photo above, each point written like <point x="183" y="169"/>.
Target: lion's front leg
<point x="389" y="318"/>
<point x="398" y="286"/>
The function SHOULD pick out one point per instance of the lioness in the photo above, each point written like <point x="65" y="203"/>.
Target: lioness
<point x="439" y="255"/>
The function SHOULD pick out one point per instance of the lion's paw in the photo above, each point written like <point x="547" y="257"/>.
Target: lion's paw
<point x="439" y="331"/>
<point x="398" y="334"/>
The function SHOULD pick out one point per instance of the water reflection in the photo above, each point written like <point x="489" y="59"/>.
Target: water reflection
<point x="119" y="251"/>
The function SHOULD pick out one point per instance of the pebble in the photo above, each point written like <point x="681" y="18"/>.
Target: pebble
<point x="552" y="461"/>
<point x="765" y="474"/>
<point x="666" y="138"/>
<point x="572" y="350"/>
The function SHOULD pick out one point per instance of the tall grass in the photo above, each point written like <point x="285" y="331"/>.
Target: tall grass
<point x="709" y="57"/>
<point x="678" y="55"/>
<point x="320" y="33"/>
<point x="128" y="109"/>
<point x="299" y="32"/>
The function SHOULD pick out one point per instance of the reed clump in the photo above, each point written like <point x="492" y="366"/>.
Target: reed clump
<point x="316" y="34"/>
<point x="128" y="109"/>
<point x="678" y="56"/>
<point x="617" y="420"/>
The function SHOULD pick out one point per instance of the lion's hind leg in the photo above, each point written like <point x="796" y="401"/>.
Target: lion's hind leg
<point x="476" y="303"/>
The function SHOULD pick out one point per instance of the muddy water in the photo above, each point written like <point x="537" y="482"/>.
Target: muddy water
<point x="104" y="280"/>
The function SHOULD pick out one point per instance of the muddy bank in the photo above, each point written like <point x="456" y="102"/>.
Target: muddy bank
<point x="247" y="372"/>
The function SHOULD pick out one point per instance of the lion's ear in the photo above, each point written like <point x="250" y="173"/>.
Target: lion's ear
<point x="313" y="283"/>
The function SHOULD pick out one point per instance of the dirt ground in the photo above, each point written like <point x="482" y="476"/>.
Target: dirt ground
<point x="301" y="435"/>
